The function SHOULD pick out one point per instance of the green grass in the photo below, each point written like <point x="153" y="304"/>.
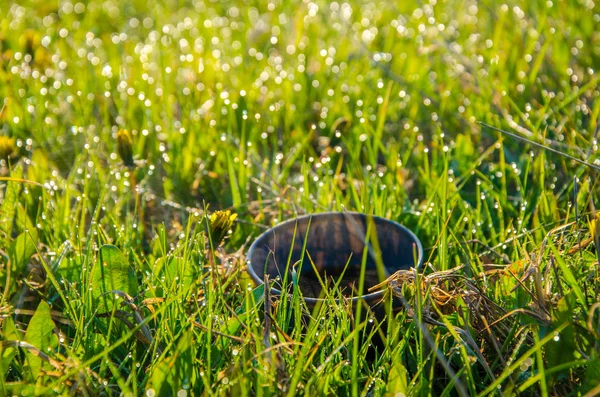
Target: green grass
<point x="273" y="110"/>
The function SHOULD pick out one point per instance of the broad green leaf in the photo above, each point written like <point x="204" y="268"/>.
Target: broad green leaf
<point x="566" y="346"/>
<point x="173" y="271"/>
<point x="256" y="298"/>
<point x="177" y="371"/>
<point x="9" y="205"/>
<point x="9" y="332"/>
<point x="111" y="272"/>
<point x="70" y="269"/>
<point x="568" y="275"/>
<point x="397" y="379"/>
<point x="40" y="333"/>
<point x="561" y="350"/>
<point x="180" y="271"/>
<point x="592" y="374"/>
<point x="57" y="266"/>
<point x="23" y="222"/>
<point x="21" y="250"/>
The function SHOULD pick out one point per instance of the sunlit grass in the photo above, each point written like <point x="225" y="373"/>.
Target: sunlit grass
<point x="128" y="124"/>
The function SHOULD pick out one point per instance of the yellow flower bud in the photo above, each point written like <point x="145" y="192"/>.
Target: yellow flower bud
<point x="7" y="147"/>
<point x="125" y="147"/>
<point x="30" y="40"/>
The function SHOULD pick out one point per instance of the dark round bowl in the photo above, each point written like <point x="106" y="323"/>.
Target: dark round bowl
<point x="335" y="241"/>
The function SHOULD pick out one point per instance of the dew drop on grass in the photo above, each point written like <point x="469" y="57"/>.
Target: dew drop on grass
<point x="523" y="367"/>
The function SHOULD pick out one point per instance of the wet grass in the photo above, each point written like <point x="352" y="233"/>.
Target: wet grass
<point x="116" y="280"/>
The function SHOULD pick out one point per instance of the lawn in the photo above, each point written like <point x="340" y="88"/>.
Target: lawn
<point x="129" y="129"/>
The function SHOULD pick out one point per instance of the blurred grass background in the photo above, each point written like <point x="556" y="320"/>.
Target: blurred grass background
<point x="277" y="109"/>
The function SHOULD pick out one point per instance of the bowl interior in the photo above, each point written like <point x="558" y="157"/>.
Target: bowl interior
<point x="335" y="241"/>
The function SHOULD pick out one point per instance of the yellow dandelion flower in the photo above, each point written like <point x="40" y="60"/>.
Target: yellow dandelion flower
<point x="219" y="226"/>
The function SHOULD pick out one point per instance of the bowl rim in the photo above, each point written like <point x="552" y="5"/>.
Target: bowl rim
<point x="367" y="297"/>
